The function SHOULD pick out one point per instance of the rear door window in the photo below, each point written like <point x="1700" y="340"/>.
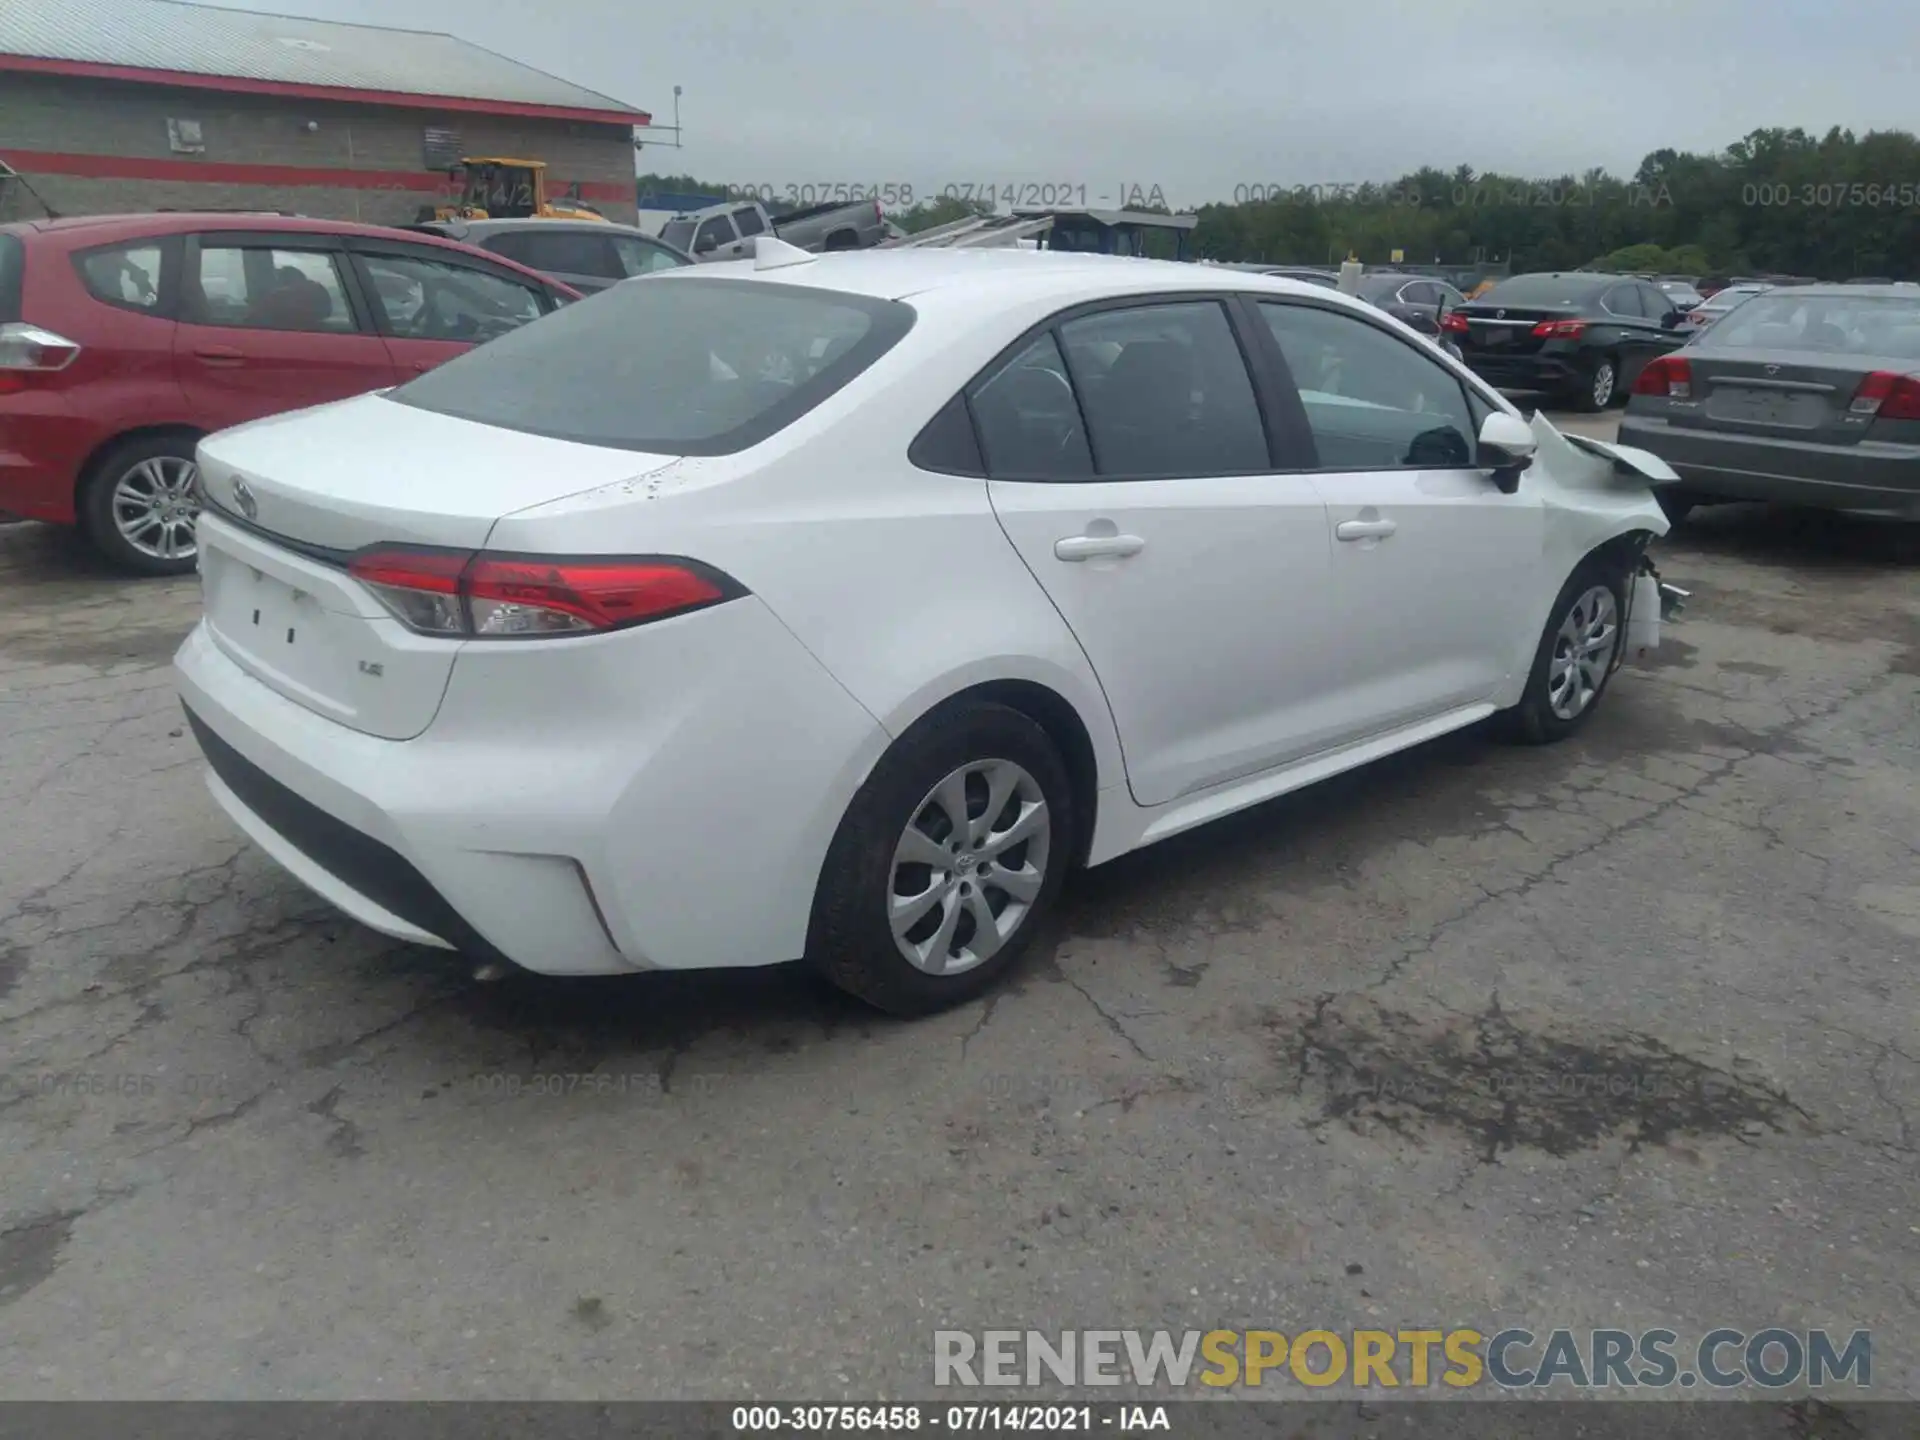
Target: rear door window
<point x="124" y="276"/>
<point x="749" y="221"/>
<point x="1624" y="300"/>
<point x="1166" y="391"/>
<point x="561" y="252"/>
<point x="684" y="366"/>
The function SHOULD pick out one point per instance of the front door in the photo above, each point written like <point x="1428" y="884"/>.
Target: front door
<point x="1191" y="572"/>
<point x="268" y="324"/>
<point x="1430" y="557"/>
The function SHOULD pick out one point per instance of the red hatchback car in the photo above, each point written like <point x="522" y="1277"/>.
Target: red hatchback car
<point x="125" y="338"/>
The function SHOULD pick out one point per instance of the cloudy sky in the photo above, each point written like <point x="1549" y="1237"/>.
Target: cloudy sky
<point x="1195" y="96"/>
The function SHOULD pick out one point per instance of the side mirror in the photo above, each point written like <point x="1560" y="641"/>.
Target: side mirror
<point x="1671" y="320"/>
<point x="706" y="245"/>
<point x="1506" y="448"/>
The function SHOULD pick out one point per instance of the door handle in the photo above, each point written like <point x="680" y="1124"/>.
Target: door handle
<point x="1093" y="547"/>
<point x="1364" y="529"/>
<point x="220" y="354"/>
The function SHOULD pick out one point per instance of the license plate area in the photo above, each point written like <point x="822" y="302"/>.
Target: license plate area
<point x="1491" y="336"/>
<point x="1748" y="406"/>
<point x="277" y="631"/>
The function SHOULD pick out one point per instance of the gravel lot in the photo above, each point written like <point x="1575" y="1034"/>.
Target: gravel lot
<point x="249" y="1149"/>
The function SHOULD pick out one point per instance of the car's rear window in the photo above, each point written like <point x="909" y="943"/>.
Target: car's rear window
<point x="671" y="365"/>
<point x="13" y="264"/>
<point x="1542" y="290"/>
<point x="1840" y="324"/>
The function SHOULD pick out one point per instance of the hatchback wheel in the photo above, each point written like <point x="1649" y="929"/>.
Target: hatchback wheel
<point x="1603" y="382"/>
<point x="140" y="505"/>
<point x="946" y="863"/>
<point x="1574" y="660"/>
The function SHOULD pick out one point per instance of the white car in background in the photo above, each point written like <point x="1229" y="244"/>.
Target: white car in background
<point x="837" y="606"/>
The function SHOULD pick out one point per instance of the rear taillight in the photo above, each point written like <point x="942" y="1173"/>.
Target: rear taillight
<point x="1887" y="395"/>
<point x="488" y="597"/>
<point x="27" y="351"/>
<point x="1670" y="377"/>
<point x="1455" y="322"/>
<point x="1560" y="329"/>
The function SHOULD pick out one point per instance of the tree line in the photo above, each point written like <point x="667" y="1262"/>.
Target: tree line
<point x="1778" y="202"/>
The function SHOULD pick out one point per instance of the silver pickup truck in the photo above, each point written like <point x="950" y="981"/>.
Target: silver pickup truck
<point x="725" y="232"/>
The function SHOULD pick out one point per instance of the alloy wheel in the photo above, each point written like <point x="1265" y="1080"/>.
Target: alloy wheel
<point x="1582" y="650"/>
<point x="155" y="503"/>
<point x="1603" y="382"/>
<point x="969" y="866"/>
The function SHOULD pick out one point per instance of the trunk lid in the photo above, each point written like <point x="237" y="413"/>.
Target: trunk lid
<point x="1496" y="330"/>
<point x="319" y="484"/>
<point x="1801" y="394"/>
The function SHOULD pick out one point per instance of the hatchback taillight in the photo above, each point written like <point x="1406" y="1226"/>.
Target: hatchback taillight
<point x="1887" y="395"/>
<point x="1670" y="377"/>
<point x="503" y="597"/>
<point x="28" y="351"/>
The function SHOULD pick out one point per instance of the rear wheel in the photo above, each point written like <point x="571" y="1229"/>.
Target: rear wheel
<point x="1574" y="660"/>
<point x="1603" y="383"/>
<point x="946" y="862"/>
<point x="140" y="503"/>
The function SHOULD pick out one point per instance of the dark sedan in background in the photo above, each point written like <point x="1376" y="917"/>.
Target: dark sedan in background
<point x="1576" y="336"/>
<point x="1808" y="396"/>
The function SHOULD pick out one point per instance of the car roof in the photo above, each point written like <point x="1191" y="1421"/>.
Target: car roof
<point x="990" y="274"/>
<point x="1842" y="290"/>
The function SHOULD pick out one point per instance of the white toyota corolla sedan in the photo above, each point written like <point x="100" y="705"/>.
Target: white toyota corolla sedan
<point x="838" y="606"/>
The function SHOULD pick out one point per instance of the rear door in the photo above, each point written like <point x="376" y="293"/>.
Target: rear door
<point x="1428" y="553"/>
<point x="271" y="322"/>
<point x="430" y="304"/>
<point x="1189" y="566"/>
<point x="716" y="239"/>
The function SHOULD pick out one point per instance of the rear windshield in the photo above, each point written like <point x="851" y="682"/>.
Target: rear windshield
<point x="13" y="262"/>
<point x="1542" y="290"/>
<point x="671" y="365"/>
<point x="1841" y="324"/>
<point x="678" y="233"/>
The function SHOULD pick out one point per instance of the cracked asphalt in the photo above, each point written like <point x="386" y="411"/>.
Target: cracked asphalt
<point x="1621" y="1032"/>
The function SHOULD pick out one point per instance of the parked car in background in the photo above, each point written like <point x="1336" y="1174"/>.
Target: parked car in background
<point x="1718" y="304"/>
<point x="126" y="338"/>
<point x="640" y="708"/>
<point x="726" y="232"/>
<point x="1416" y="300"/>
<point x="1680" y="292"/>
<point x="582" y="254"/>
<point x="1327" y="278"/>
<point x="1808" y="395"/>
<point x="1574" y="335"/>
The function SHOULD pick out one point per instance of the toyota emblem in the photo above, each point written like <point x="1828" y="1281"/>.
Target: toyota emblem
<point x="243" y="497"/>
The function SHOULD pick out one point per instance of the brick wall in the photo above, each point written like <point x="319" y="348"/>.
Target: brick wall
<point x="54" y="116"/>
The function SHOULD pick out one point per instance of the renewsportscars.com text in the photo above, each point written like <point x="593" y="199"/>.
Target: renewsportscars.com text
<point x="1460" y="1358"/>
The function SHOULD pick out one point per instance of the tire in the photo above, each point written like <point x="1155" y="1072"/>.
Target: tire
<point x="851" y="938"/>
<point x="157" y="470"/>
<point x="1540" y="717"/>
<point x="1603" y="385"/>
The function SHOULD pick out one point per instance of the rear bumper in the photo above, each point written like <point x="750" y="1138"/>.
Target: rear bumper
<point x="1866" y="476"/>
<point x="1545" y="372"/>
<point x="627" y="802"/>
<point x="42" y="447"/>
